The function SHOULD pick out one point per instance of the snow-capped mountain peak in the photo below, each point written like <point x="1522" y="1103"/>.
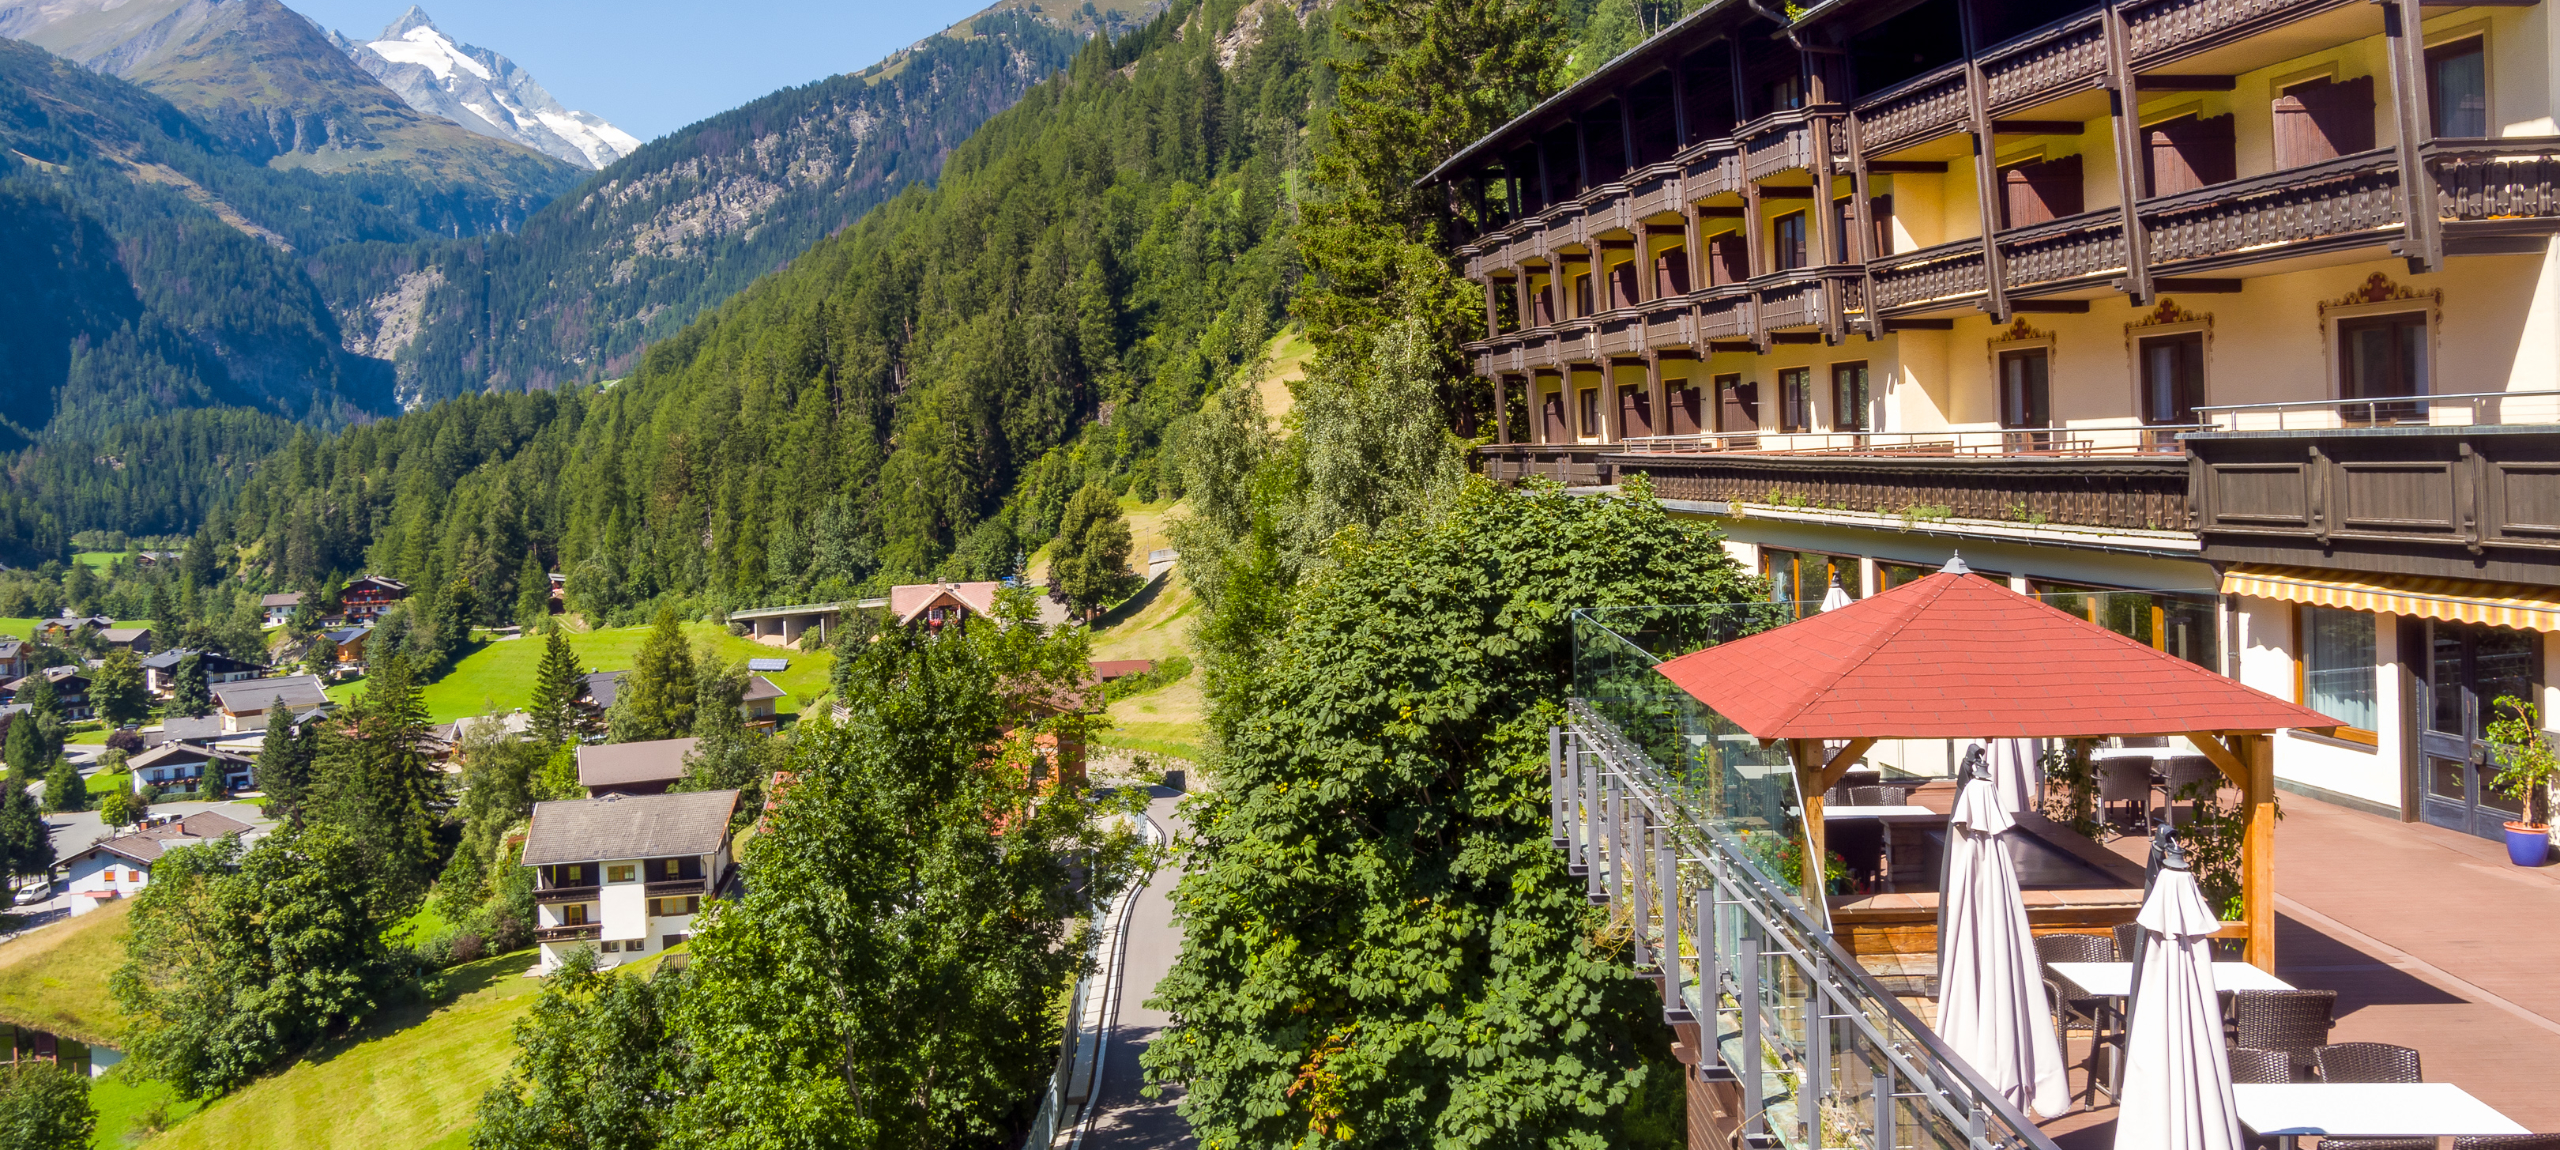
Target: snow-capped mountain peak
<point x="483" y="91"/>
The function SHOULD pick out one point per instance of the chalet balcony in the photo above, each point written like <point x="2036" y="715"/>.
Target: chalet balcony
<point x="582" y="932"/>
<point x="1574" y="465"/>
<point x="2451" y="486"/>
<point x="678" y="887"/>
<point x="559" y="894"/>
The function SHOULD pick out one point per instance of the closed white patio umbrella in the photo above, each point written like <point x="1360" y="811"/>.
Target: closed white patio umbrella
<point x="1835" y="598"/>
<point x="2177" y="1080"/>
<point x="1991" y="1003"/>
<point x="2017" y="771"/>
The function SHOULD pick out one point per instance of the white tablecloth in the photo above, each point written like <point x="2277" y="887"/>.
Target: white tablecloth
<point x="2115" y="979"/>
<point x="2374" y="1109"/>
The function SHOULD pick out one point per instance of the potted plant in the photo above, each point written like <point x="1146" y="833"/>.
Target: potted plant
<point x="2526" y="761"/>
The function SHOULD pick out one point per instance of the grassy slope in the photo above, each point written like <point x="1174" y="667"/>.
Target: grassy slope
<point x="56" y="978"/>
<point x="502" y="673"/>
<point x="26" y="628"/>
<point x="411" y="1080"/>
<point x="1170" y="720"/>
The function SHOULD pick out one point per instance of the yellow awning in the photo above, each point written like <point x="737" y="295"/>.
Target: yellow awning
<point x="2452" y="600"/>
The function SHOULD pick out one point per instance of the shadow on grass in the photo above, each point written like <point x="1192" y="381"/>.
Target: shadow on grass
<point x="1122" y="611"/>
<point x="443" y="989"/>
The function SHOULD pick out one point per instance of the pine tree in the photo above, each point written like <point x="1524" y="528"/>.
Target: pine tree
<point x="1089" y="564"/>
<point x="656" y="700"/>
<point x="25" y="753"/>
<point x="64" y="789"/>
<point x="189" y="694"/>
<point x="26" y="847"/>
<point x="533" y="591"/>
<point x="283" y="769"/>
<point x="555" y="690"/>
<point x="370" y="779"/>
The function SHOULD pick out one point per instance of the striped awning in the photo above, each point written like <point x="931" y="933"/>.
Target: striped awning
<point x="2453" y="600"/>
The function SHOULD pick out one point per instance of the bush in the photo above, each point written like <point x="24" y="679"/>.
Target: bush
<point x="126" y="740"/>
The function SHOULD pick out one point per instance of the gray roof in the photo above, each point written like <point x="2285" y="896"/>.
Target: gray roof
<point x="601" y="686"/>
<point x="181" y="729"/>
<point x="200" y="826"/>
<point x="168" y="657"/>
<point x="621" y="764"/>
<point x="759" y="689"/>
<point x="628" y="827"/>
<point x="250" y="695"/>
<point x="281" y="599"/>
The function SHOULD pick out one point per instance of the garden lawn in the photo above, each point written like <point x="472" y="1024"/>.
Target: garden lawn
<point x="501" y="675"/>
<point x="121" y="1103"/>
<point x="411" y="1080"/>
<point x="56" y="978"/>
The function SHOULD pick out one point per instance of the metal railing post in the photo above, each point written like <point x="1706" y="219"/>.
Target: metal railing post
<point x="1589" y="828"/>
<point x="1817" y="1050"/>
<point x="1666" y="878"/>
<point x="1747" y="998"/>
<point x="1640" y="917"/>
<point x="1710" y="983"/>
<point x="1559" y="785"/>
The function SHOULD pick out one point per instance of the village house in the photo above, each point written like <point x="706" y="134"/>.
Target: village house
<point x="279" y="607"/>
<point x="246" y="705"/>
<point x="160" y="671"/>
<point x="758" y="704"/>
<point x="625" y="874"/>
<point x="181" y="766"/>
<point x="346" y="647"/>
<point x="134" y="639"/>
<point x="13" y="659"/>
<point x="65" y="630"/>
<point x="932" y="604"/>
<point x="118" y="867"/>
<point x="70" y="689"/>
<point x="645" y="768"/>
<point x="367" y="598"/>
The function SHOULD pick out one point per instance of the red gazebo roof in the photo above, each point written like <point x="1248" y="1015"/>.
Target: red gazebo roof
<point x="1956" y="656"/>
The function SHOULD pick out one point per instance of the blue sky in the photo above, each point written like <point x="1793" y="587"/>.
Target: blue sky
<point x="652" y="66"/>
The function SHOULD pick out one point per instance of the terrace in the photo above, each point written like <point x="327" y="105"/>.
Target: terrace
<point x="1807" y="1012"/>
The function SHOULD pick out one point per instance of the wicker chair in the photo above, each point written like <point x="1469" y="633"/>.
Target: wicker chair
<point x="2184" y="770"/>
<point x="2370" y="1062"/>
<point x="2128" y="937"/>
<point x="2249" y="1064"/>
<point x="2080" y="1012"/>
<point x="2507" y="1142"/>
<point x="2126" y="781"/>
<point x="2294" y="1021"/>
<point x="1878" y="796"/>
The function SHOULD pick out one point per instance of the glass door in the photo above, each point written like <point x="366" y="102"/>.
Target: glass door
<point x="2469" y="668"/>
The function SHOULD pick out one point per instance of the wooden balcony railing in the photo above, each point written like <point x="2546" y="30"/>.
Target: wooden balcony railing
<point x="2070" y="248"/>
<point x="1915" y="110"/>
<point x="2047" y="63"/>
<point x="1574" y="465"/>
<point x="2181" y="27"/>
<point x="2515" y="178"/>
<point x="2450" y="502"/>
<point x="2347" y="198"/>
<point x="587" y="931"/>
<point x="565" y="894"/>
<point x="1784" y="144"/>
<point x="678" y="886"/>
<point x="2145" y="492"/>
<point x="1947" y="271"/>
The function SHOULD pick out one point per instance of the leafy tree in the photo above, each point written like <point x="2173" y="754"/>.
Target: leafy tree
<point x="64" y="789"/>
<point x="498" y="772"/>
<point x="44" y="705"/>
<point x="597" y="1063"/>
<point x="1089" y="564"/>
<point x="116" y="689"/>
<point x="189" y="693"/>
<point x="240" y="956"/>
<point x="123" y="806"/>
<point x="370" y="779"/>
<point x="26" y="846"/>
<point x="44" y="1107"/>
<point x="656" y="700"/>
<point x="533" y="591"/>
<point x="885" y="981"/>
<point x="1381" y="947"/>
<point x="283" y="769"/>
<point x="25" y="748"/>
<point x="554" y="711"/>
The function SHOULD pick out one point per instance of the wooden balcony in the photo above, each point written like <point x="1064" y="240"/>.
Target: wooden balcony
<point x="2074" y="248"/>
<point x="583" y="932"/>
<point x="1947" y="272"/>
<point x="678" y="887"/>
<point x="1574" y="465"/>
<point x="2166" y="30"/>
<point x="557" y="894"/>
<point x="2143" y="492"/>
<point x="1777" y="144"/>
<point x="2446" y="501"/>
<point x="2345" y="202"/>
<point x="1916" y="110"/>
<point x="2046" y="63"/>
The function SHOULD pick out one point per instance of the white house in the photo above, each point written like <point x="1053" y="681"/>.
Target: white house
<point x="279" y="608"/>
<point x="117" y="867"/>
<point x="625" y="874"/>
<point x="245" y="704"/>
<point x="182" y="766"/>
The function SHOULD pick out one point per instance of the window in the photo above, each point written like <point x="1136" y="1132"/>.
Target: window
<point x="2025" y="389"/>
<point x="1582" y="292"/>
<point x="1892" y="575"/>
<point x="1795" y="399"/>
<point x="623" y="872"/>
<point x="1877" y="242"/>
<point x="2458" y="88"/>
<point x="574" y="874"/>
<point x="610" y="947"/>
<point x="673" y="868"/>
<point x="1786" y="241"/>
<point x="574" y="914"/>
<point x="1728" y="259"/>
<point x="1590" y="412"/>
<point x="1671" y="271"/>
<point x="1737" y="405"/>
<point x="692" y="905"/>
<point x="657" y="907"/>
<point x="2383" y="355"/>
<point x="1803" y="578"/>
<point x="636" y="945"/>
<point x="669" y="942"/>
<point x="1849" y="397"/>
<point x="2172" y="378"/>
<point x="2338" y="666"/>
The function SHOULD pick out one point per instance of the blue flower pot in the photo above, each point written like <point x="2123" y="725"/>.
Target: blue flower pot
<point x="2528" y="845"/>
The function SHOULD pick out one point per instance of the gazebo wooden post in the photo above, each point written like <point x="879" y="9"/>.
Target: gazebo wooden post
<point x="1807" y="754"/>
<point x="2258" y="849"/>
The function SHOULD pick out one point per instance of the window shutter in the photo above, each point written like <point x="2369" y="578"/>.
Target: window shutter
<point x="1635" y="410"/>
<point x="1622" y="284"/>
<point x="2034" y="193"/>
<point x="1671" y="272"/>
<point x="2187" y="153"/>
<point x="1684" y="409"/>
<point x="1729" y="258"/>
<point x="1555" y="418"/>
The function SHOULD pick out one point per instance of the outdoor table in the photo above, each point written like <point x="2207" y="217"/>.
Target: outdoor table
<point x="1904" y="810"/>
<point x="2115" y="979"/>
<point x="2160" y="759"/>
<point x="2288" y="1110"/>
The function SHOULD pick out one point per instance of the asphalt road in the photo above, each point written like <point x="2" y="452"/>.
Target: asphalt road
<point x="1122" y="1119"/>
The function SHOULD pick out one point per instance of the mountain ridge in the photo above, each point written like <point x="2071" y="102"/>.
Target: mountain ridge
<point x="482" y="91"/>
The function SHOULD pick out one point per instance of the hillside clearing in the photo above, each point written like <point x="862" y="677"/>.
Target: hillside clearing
<point x="1172" y="719"/>
<point x="501" y="675"/>
<point x="55" y="978"/>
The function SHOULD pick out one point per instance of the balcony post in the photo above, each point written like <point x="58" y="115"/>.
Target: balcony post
<point x="1501" y="408"/>
<point x="1492" y="308"/>
<point x="1862" y="208"/>
<point x="1679" y="109"/>
<point x="1581" y="156"/>
<point x="2125" y="101"/>
<point x="1546" y="183"/>
<point x="2421" y="234"/>
<point x="1826" y="227"/>
<point x="1657" y="416"/>
<point x="1986" y="172"/>
<point x="1693" y="243"/>
<point x="1626" y="135"/>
